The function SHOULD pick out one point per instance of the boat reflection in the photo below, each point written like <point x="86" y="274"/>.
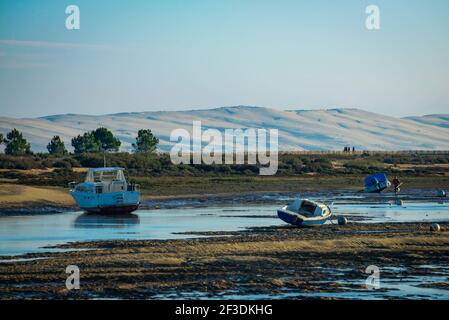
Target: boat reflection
<point x="97" y="221"/>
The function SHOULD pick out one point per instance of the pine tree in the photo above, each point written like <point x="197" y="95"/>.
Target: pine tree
<point x="56" y="146"/>
<point x="146" y="142"/>
<point x="16" y="144"/>
<point x="98" y="140"/>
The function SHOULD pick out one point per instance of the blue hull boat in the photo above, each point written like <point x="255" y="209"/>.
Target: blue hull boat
<point x="106" y="191"/>
<point x="376" y="183"/>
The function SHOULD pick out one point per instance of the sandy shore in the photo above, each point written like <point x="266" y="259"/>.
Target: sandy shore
<point x="263" y="261"/>
<point x="21" y="199"/>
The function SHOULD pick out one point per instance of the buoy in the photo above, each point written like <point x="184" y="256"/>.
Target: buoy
<point x="342" y="221"/>
<point x="435" y="227"/>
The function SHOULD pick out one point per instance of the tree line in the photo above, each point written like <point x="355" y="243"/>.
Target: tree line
<point x="98" y="140"/>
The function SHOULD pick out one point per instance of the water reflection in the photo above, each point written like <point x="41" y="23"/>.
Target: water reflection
<point x="97" y="221"/>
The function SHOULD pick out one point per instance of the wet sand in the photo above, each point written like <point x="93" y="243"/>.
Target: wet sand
<point x="272" y="262"/>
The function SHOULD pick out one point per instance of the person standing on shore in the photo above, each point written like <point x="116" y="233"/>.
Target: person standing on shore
<point x="396" y="183"/>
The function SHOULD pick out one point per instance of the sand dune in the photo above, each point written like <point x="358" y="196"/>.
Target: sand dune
<point x="330" y="129"/>
<point x="440" y="120"/>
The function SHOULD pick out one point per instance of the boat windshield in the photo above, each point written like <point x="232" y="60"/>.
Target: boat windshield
<point x="105" y="176"/>
<point x="307" y="208"/>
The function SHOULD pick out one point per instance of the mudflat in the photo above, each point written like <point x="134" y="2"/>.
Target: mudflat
<point x="259" y="262"/>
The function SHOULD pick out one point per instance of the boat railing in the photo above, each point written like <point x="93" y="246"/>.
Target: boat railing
<point x="102" y="188"/>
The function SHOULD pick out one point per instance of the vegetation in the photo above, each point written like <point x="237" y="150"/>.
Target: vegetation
<point x="146" y="142"/>
<point x="99" y="140"/>
<point x="106" y="140"/>
<point x="56" y="147"/>
<point x="85" y="143"/>
<point x="58" y="167"/>
<point x="16" y="144"/>
<point x="290" y="164"/>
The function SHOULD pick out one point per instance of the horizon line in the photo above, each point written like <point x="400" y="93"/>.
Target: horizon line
<point x="217" y="108"/>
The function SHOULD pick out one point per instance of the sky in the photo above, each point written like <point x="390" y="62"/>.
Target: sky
<point x="143" y="55"/>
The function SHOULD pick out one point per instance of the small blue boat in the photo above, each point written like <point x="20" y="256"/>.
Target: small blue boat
<point x="305" y="213"/>
<point x="376" y="183"/>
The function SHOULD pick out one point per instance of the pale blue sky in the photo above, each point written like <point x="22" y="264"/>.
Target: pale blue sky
<point x="136" y="55"/>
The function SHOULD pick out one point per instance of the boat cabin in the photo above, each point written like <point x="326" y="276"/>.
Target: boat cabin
<point x="307" y="208"/>
<point x="105" y="180"/>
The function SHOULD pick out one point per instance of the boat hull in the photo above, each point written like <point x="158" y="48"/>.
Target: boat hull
<point x="376" y="183"/>
<point x="301" y="221"/>
<point x="374" y="189"/>
<point x="107" y="203"/>
<point x="112" y="209"/>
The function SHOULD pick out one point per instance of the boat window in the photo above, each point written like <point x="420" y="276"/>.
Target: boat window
<point x="82" y="188"/>
<point x="105" y="176"/>
<point x="99" y="176"/>
<point x="307" y="207"/>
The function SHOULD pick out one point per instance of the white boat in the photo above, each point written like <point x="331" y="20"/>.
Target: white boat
<point x="304" y="212"/>
<point x="105" y="190"/>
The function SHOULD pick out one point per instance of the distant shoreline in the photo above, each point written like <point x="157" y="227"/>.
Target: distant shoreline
<point x="173" y="192"/>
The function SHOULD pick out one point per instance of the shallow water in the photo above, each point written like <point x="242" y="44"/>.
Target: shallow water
<point x="27" y="234"/>
<point x="409" y="211"/>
